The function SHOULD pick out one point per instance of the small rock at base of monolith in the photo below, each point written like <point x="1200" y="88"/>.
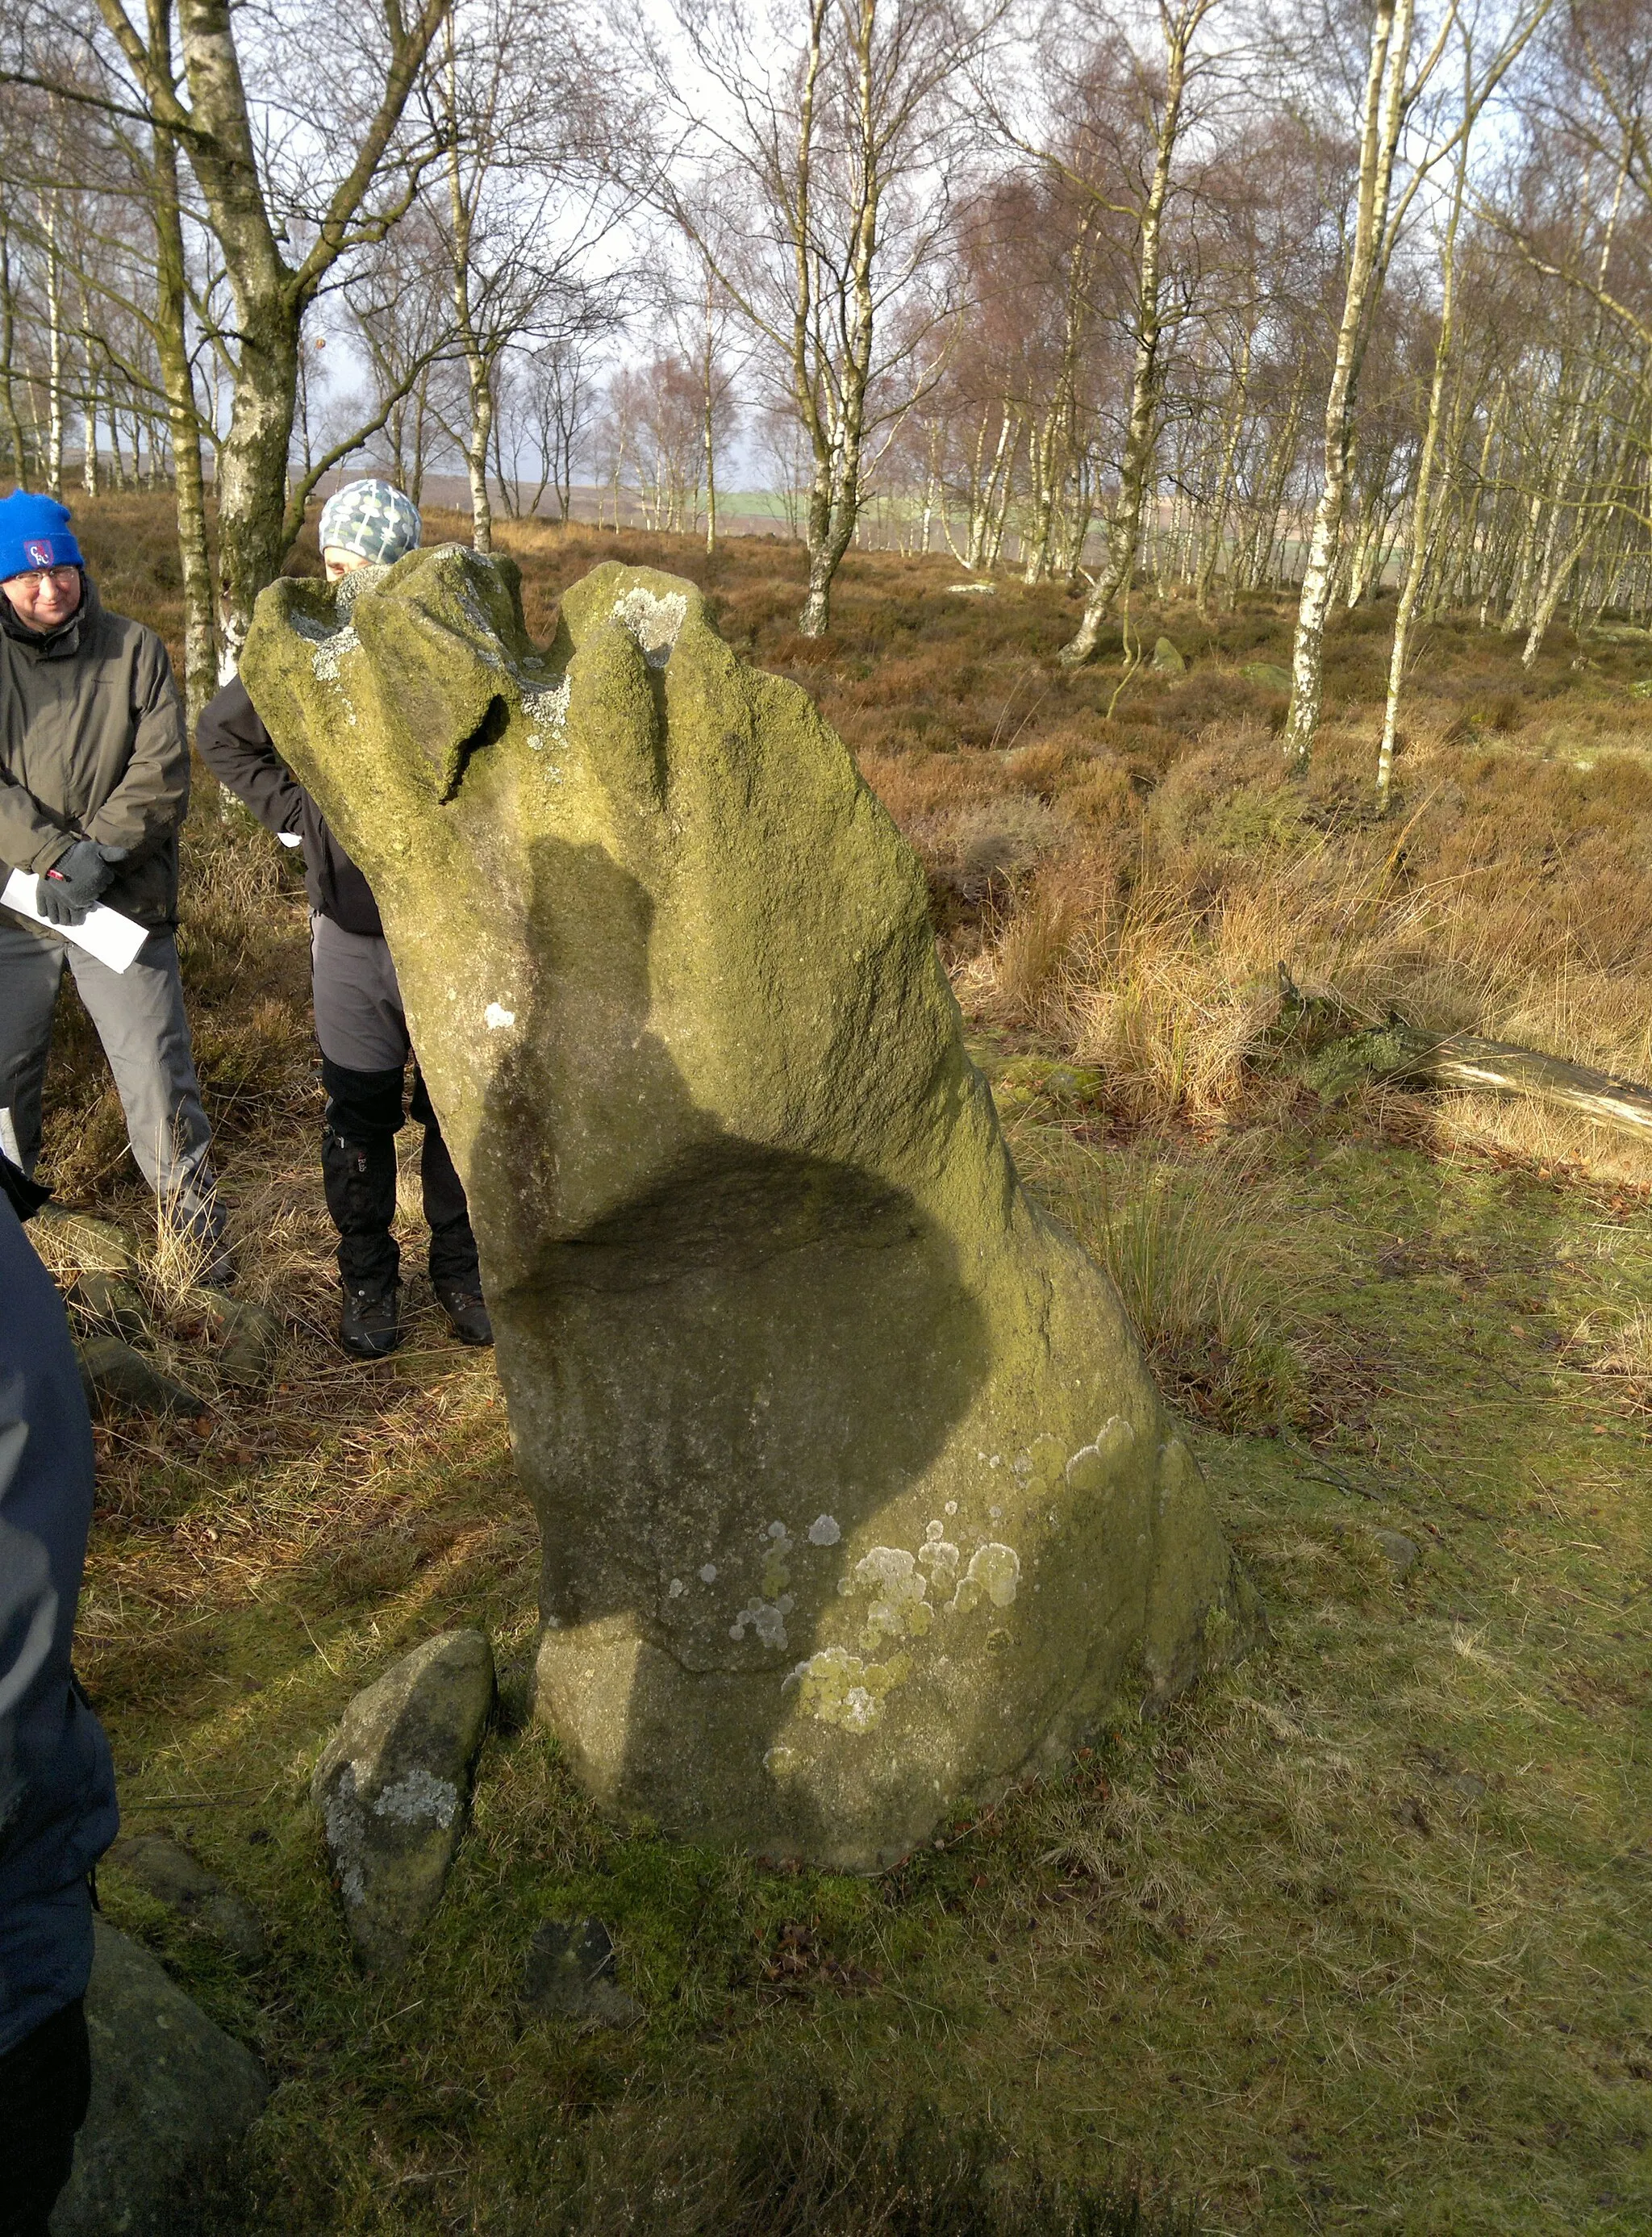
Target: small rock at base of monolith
<point x="249" y="1334"/>
<point x="1400" y="1551"/>
<point x="570" y="1974"/>
<point x="172" y="2096"/>
<point x="163" y="1868"/>
<point x="114" y="1374"/>
<point x="1167" y="660"/>
<point x="1268" y="674"/>
<point x="393" y="1787"/>
<point x="92" y="1246"/>
<point x="113" y="1300"/>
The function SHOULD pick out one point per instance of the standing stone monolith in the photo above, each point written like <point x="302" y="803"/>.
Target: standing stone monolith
<point x="855" y="1496"/>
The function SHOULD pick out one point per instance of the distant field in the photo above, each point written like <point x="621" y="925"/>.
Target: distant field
<point x="1355" y="1938"/>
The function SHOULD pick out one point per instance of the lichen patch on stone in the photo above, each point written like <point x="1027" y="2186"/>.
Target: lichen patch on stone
<point x="418" y="1798"/>
<point x="939" y="1555"/>
<point x="766" y="1617"/>
<point x="839" y="1688"/>
<point x="653" y="621"/>
<point x="994" y="1573"/>
<point x="546" y="710"/>
<point x="1093" y="1467"/>
<point x="900" y="1607"/>
<point x="776" y="1571"/>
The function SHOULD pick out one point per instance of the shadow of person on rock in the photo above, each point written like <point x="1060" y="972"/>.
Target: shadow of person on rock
<point x="724" y="1358"/>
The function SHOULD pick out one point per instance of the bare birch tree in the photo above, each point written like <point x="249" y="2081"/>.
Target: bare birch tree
<point x="819" y="191"/>
<point x="1388" y="96"/>
<point x="205" y="107"/>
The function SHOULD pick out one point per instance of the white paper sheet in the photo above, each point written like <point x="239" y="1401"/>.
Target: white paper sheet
<point x="104" y="932"/>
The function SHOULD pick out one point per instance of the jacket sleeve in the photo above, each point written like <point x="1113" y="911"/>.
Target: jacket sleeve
<point x="238" y="751"/>
<point x="28" y="1611"/>
<point x="147" y="805"/>
<point x="30" y="839"/>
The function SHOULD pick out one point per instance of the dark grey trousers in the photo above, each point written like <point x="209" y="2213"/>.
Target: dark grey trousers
<point x="140" y="1019"/>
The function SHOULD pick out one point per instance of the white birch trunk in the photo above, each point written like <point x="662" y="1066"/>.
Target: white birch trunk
<point x="1384" y="113"/>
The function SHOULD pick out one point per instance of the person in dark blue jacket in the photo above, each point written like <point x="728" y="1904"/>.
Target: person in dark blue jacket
<point x="58" y="1809"/>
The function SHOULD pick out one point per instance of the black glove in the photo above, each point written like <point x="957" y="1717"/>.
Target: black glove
<point x="75" y="880"/>
<point x="26" y="1195"/>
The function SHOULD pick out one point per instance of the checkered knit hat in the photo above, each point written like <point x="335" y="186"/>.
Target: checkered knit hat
<point x="371" y="519"/>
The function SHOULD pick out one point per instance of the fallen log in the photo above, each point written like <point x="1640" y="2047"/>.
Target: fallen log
<point x="1409" y="1057"/>
<point x="1343" y="1062"/>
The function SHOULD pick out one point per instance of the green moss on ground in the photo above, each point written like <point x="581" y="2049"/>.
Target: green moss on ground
<point x="1355" y="1937"/>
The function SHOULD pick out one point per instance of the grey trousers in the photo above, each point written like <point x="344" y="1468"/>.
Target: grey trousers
<point x="359" y="1017"/>
<point x="140" y="1019"/>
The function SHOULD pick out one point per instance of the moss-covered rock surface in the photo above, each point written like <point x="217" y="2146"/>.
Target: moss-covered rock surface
<point x="856" y="1497"/>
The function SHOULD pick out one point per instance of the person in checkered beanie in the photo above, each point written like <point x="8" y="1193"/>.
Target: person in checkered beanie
<point x="359" y="1017"/>
<point x="367" y="525"/>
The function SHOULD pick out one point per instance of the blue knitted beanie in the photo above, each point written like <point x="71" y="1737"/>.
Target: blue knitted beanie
<point x="35" y="532"/>
<point x="376" y="522"/>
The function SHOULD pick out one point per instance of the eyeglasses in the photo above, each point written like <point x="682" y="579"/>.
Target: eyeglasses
<point x="34" y="580"/>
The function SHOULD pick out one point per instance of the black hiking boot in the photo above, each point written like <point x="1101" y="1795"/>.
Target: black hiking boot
<point x="369" y="1325"/>
<point x="467" y="1314"/>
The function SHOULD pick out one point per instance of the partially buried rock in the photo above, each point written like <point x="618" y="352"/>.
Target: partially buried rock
<point x="172" y="2096"/>
<point x="249" y="1337"/>
<point x="1399" y="1551"/>
<point x="570" y="1975"/>
<point x="91" y="1245"/>
<point x="113" y="1300"/>
<point x="115" y="1374"/>
<point x="1268" y="674"/>
<point x="856" y="1499"/>
<point x="393" y="1787"/>
<point x="1166" y="660"/>
<point x="164" y="1869"/>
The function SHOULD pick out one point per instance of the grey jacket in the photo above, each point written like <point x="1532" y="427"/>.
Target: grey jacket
<point x="92" y="745"/>
<point x="58" y="1813"/>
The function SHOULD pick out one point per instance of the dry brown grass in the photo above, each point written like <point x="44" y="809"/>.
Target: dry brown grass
<point x="1355" y="1937"/>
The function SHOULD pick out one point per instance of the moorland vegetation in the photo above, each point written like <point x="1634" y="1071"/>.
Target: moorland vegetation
<point x="1353" y="1938"/>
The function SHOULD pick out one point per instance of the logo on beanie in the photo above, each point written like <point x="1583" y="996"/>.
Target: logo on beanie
<point x="38" y="552"/>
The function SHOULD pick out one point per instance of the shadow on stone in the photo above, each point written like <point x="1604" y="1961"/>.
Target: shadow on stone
<point x="741" y="1333"/>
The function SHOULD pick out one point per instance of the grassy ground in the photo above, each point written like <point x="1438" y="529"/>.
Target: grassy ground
<point x="1356" y="1938"/>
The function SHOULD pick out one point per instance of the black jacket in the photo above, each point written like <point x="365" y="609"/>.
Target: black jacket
<point x="58" y="1813"/>
<point x="240" y="754"/>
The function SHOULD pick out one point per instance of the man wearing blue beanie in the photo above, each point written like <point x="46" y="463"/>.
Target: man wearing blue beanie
<point x="359" y="1017"/>
<point x="94" y="784"/>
